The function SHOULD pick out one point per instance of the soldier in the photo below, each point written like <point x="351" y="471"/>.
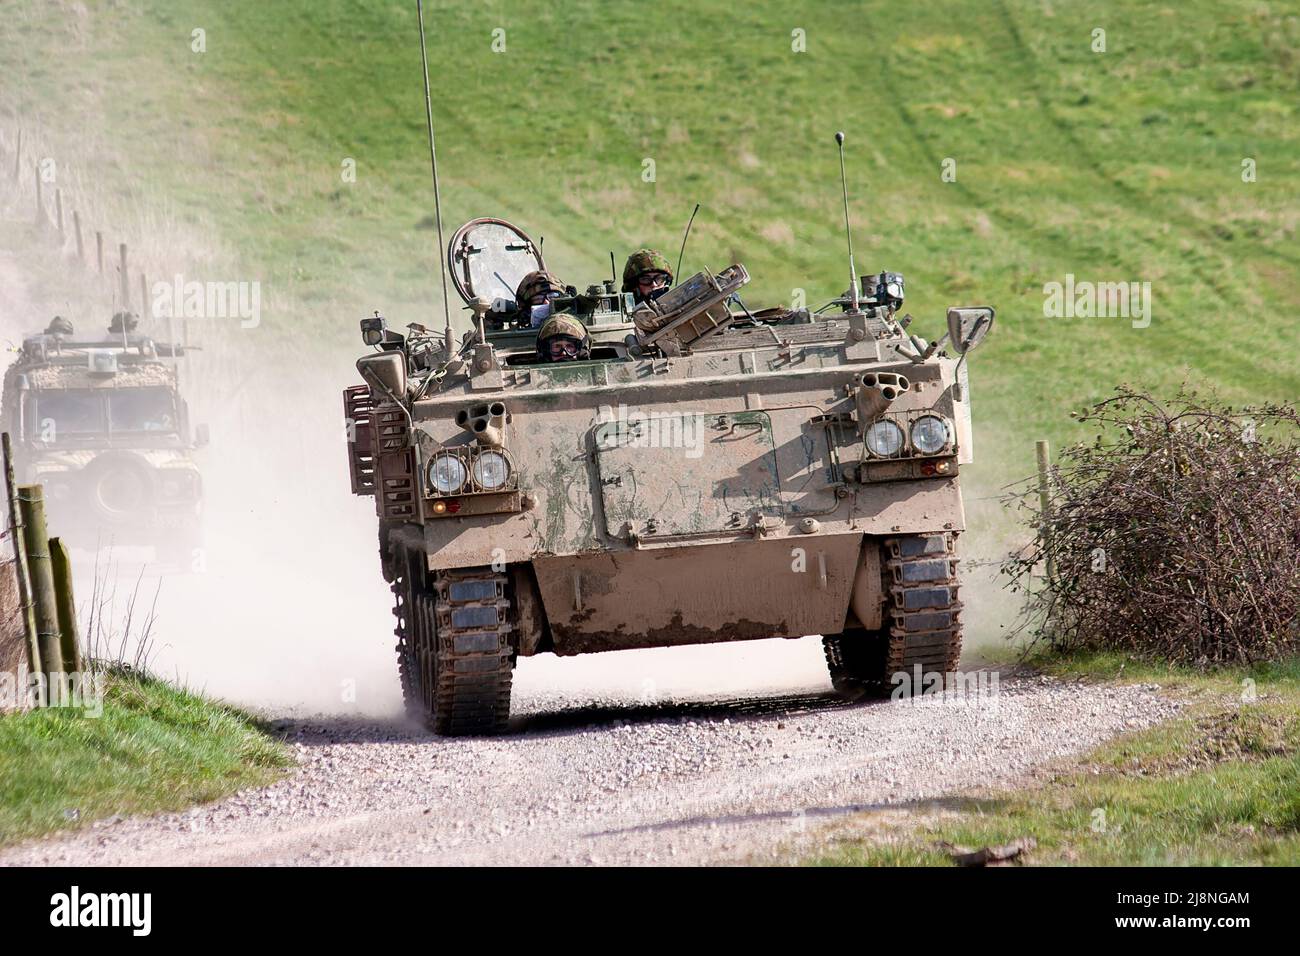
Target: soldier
<point x="562" y="338"/>
<point x="59" y="326"/>
<point x="534" y="295"/>
<point x="647" y="274"/>
<point x="122" y="323"/>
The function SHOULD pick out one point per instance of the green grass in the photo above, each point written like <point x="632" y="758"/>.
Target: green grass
<point x="1218" y="786"/>
<point x="154" y="748"/>
<point x="1123" y="165"/>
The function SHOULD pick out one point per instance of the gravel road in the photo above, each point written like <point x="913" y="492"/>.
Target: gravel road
<point x="590" y="781"/>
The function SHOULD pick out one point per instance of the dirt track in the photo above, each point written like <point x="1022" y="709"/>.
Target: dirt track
<point x="581" y="781"/>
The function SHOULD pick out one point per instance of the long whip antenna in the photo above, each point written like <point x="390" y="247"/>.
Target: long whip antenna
<point x="685" y="236"/>
<point x="844" y="186"/>
<point x="433" y="163"/>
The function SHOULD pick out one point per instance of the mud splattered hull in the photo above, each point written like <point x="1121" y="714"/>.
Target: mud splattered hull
<point x="604" y="601"/>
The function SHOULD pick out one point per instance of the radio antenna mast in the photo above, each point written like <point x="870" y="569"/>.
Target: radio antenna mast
<point x="678" y="274"/>
<point x="433" y="163"/>
<point x="848" y="233"/>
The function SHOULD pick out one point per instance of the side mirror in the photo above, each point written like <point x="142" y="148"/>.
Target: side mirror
<point x="968" y="327"/>
<point x="201" y="436"/>
<point x="385" y="371"/>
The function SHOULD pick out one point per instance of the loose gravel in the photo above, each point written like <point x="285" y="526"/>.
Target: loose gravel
<point x="587" y="781"/>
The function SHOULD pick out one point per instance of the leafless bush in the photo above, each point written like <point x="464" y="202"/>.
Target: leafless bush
<point x="119" y="632"/>
<point x="1174" y="536"/>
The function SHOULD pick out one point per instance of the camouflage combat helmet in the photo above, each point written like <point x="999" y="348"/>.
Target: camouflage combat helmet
<point x="537" y="283"/>
<point x="641" y="262"/>
<point x="122" y="322"/>
<point x="563" y="327"/>
<point x="59" y="326"/>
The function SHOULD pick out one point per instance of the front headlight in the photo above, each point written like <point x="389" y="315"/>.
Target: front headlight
<point x="491" y="470"/>
<point x="930" y="435"/>
<point x="447" y="474"/>
<point x="884" y="439"/>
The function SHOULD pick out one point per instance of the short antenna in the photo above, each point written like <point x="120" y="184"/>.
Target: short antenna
<point x="433" y="163"/>
<point x="687" y="235"/>
<point x="848" y="233"/>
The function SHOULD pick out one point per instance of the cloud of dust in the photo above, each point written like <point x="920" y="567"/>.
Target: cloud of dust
<point x="993" y="531"/>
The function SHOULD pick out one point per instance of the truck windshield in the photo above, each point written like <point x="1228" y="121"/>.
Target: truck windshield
<point x="142" y="410"/>
<point x="81" y="414"/>
<point x="68" y="414"/>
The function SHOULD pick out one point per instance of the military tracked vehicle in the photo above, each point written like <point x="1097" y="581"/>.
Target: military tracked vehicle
<point x="101" y="424"/>
<point x="705" y="474"/>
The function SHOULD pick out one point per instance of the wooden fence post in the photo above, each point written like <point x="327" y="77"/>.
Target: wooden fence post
<point x="124" y="280"/>
<point x="69" y="640"/>
<point x="58" y="211"/>
<point x="1045" y="504"/>
<point x="144" y="297"/>
<point x="20" y="561"/>
<point x="99" y="250"/>
<point x="31" y="502"/>
<point x="40" y="198"/>
<point x="81" y="246"/>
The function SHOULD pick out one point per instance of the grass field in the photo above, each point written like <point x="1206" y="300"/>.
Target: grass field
<point x="154" y="748"/>
<point x="1123" y="165"/>
<point x="1218" y="786"/>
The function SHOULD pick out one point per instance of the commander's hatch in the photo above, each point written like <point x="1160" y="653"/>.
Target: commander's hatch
<point x="490" y="257"/>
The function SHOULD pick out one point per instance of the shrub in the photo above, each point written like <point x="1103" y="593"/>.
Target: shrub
<point x="1175" y="535"/>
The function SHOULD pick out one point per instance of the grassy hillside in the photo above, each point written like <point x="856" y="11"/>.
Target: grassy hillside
<point x="1123" y="165"/>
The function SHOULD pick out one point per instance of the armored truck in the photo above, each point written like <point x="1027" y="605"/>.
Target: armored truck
<point x="703" y="473"/>
<point x="101" y="424"/>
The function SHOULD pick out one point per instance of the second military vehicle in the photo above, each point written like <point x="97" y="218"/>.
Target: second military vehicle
<point x="702" y="474"/>
<point x="101" y="424"/>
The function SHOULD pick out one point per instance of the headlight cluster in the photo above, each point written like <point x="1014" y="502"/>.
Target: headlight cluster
<point x="490" y="471"/>
<point x="884" y="439"/>
<point x="930" y="435"/>
<point x="447" y="474"/>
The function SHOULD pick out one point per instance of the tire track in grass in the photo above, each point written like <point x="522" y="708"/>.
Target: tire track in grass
<point x="1030" y="234"/>
<point x="1133" y="199"/>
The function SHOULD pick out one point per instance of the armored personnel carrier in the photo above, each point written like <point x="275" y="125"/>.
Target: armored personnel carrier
<point x="705" y="474"/>
<point x="101" y="424"/>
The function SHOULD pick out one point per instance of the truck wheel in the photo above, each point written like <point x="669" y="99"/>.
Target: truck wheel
<point x="455" y="658"/>
<point x="924" y="622"/>
<point x="120" y="487"/>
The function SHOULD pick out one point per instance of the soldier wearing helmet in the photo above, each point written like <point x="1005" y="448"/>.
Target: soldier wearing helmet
<point x="534" y="295"/>
<point x="122" y="323"/>
<point x="59" y="326"/>
<point x="647" y="275"/>
<point x="562" y="338"/>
